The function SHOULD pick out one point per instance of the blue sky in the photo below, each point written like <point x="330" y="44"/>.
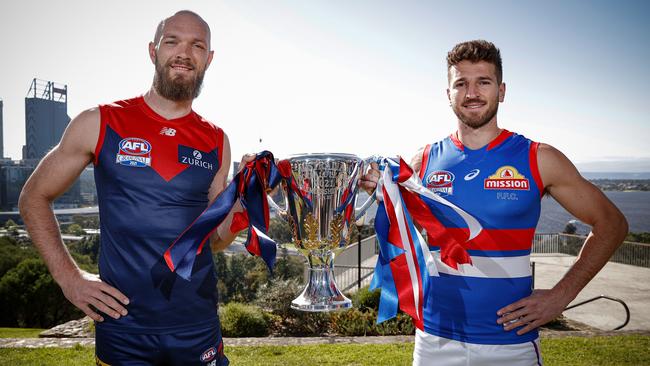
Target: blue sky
<point x="362" y="77"/>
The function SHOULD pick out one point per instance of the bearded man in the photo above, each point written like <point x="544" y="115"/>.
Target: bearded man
<point x="487" y="313"/>
<point x="157" y="165"/>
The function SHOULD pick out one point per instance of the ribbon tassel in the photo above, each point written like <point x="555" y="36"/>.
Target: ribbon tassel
<point x="249" y="187"/>
<point x="405" y="262"/>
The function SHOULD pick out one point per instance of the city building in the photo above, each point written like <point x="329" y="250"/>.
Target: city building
<point x="46" y="118"/>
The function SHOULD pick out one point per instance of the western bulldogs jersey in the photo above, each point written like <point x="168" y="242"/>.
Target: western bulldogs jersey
<point x="500" y="186"/>
<point x="152" y="176"/>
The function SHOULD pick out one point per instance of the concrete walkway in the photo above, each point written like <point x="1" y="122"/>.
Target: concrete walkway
<point x="287" y="341"/>
<point x="628" y="283"/>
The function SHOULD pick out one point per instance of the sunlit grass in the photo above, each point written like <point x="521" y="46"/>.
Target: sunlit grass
<point x="579" y="351"/>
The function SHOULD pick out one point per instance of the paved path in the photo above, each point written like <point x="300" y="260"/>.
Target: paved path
<point x="285" y="341"/>
<point x="628" y="283"/>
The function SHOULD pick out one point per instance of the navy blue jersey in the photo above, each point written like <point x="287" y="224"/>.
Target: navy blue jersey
<point x="500" y="186"/>
<point x="153" y="176"/>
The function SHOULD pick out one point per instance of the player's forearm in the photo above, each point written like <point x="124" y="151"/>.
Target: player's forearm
<point x="43" y="229"/>
<point x="601" y="243"/>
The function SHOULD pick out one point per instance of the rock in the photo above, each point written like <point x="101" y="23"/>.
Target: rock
<point x="82" y="328"/>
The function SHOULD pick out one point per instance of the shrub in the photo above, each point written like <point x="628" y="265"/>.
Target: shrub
<point x="402" y="324"/>
<point x="355" y="322"/>
<point x="241" y="320"/>
<point x="352" y="322"/>
<point x="276" y="296"/>
<point x="366" y="299"/>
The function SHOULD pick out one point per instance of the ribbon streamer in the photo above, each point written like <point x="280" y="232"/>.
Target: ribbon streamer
<point x="250" y="186"/>
<point x="405" y="261"/>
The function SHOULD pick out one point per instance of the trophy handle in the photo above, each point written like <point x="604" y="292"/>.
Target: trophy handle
<point x="360" y="212"/>
<point x="283" y="212"/>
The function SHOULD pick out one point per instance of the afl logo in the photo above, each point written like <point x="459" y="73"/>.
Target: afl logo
<point x="209" y="354"/>
<point x="135" y="146"/>
<point x="134" y="152"/>
<point x="441" y="181"/>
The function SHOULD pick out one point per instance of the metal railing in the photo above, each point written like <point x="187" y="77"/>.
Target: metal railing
<point x="636" y="254"/>
<point x="627" y="310"/>
<point x="347" y="277"/>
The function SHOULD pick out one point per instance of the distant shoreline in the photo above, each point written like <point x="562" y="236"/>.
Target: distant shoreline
<point x="622" y="185"/>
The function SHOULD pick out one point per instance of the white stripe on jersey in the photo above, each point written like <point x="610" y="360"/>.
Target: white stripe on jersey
<point x="488" y="267"/>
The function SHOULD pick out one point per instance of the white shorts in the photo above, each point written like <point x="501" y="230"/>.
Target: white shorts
<point x="431" y="350"/>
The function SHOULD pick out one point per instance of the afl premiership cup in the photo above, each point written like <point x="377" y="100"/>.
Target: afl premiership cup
<point x="322" y="231"/>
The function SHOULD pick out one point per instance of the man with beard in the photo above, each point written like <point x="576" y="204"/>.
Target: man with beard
<point x="157" y="164"/>
<point x="486" y="313"/>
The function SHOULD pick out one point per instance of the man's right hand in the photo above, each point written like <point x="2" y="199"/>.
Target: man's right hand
<point x="87" y="292"/>
<point x="368" y="181"/>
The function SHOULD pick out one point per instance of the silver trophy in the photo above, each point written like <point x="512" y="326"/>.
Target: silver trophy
<point x="322" y="231"/>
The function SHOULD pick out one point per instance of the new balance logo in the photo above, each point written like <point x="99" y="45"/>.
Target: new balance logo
<point x="168" y="131"/>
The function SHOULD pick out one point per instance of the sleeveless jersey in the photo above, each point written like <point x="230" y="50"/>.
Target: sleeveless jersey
<point x="152" y="176"/>
<point x="500" y="186"/>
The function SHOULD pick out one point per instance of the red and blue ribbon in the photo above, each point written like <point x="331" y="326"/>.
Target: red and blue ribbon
<point x="405" y="262"/>
<point x="250" y="186"/>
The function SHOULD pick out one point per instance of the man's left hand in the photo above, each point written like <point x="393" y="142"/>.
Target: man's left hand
<point x="533" y="311"/>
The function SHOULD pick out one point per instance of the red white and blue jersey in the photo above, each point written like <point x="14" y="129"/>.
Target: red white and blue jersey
<point x="153" y="176"/>
<point x="500" y="186"/>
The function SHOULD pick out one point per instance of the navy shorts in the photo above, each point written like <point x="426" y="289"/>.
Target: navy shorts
<point x="189" y="347"/>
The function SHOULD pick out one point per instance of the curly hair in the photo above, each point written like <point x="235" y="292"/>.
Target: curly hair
<point x="475" y="51"/>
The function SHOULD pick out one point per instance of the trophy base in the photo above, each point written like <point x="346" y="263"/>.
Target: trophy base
<point x="331" y="306"/>
<point x="321" y="293"/>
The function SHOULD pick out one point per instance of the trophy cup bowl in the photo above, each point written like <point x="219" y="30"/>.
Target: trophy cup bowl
<point x="322" y="231"/>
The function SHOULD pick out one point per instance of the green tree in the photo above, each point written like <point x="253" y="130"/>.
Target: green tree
<point x="9" y="224"/>
<point x="30" y="298"/>
<point x="12" y="253"/>
<point x="86" y="222"/>
<point x="89" y="246"/>
<point x="239" y="276"/>
<point x="643" y="237"/>
<point x="75" y="229"/>
<point x="279" y="230"/>
<point x="288" y="267"/>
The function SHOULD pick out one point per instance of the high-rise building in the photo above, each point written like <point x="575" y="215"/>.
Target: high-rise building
<point x="46" y="117"/>
<point x="2" y="146"/>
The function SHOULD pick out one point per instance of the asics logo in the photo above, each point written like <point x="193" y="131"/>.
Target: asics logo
<point x="472" y="174"/>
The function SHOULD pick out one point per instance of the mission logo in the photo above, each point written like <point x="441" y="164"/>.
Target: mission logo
<point x="507" y="178"/>
<point x="134" y="152"/>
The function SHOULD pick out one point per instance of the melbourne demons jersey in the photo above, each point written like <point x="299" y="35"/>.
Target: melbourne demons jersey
<point x="500" y="186"/>
<point x="152" y="176"/>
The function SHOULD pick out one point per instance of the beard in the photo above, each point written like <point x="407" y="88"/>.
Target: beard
<point x="476" y="121"/>
<point x="177" y="88"/>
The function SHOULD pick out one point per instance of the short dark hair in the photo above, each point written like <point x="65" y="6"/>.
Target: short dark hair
<point x="475" y="51"/>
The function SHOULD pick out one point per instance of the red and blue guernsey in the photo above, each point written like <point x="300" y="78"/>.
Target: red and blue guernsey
<point x="500" y="186"/>
<point x="152" y="176"/>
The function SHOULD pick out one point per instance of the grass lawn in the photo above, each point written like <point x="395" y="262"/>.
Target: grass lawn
<point x="610" y="351"/>
<point x="20" y="332"/>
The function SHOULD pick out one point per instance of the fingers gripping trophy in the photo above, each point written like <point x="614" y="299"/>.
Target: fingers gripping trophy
<point x="321" y="220"/>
